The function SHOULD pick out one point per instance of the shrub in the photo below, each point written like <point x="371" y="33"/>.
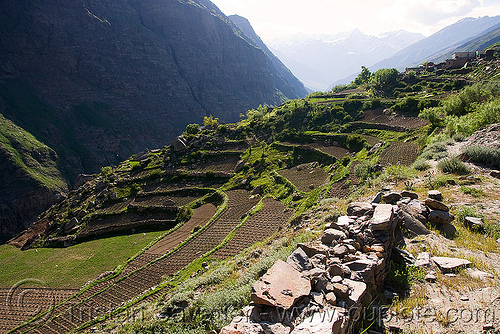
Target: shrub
<point x="192" y="129"/>
<point x="421" y="164"/>
<point x="436" y="151"/>
<point x="453" y="166"/>
<point x="363" y="169"/>
<point x="433" y="115"/>
<point x="484" y="154"/>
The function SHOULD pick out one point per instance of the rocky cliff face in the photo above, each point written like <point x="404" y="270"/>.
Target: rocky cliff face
<point x="100" y="80"/>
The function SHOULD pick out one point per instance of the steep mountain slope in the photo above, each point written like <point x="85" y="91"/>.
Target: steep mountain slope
<point x="251" y="36"/>
<point x="445" y="40"/>
<point x="479" y="43"/>
<point x="320" y="60"/>
<point x="97" y="80"/>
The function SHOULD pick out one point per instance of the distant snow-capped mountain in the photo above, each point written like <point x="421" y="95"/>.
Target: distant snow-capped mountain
<point x="319" y="60"/>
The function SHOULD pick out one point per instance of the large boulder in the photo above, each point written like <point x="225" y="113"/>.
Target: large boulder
<point x="436" y="205"/>
<point x="281" y="286"/>
<point x="441" y="217"/>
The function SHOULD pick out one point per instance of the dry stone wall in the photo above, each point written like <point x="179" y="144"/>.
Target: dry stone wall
<point x="326" y="284"/>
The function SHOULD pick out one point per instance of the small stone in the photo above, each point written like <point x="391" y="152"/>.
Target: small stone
<point x="378" y="198"/>
<point x="435" y="194"/>
<point x="423" y="260"/>
<point x="390" y="296"/>
<point x="336" y="279"/>
<point x="335" y="270"/>
<point x="340" y="250"/>
<point x="430" y="278"/>
<point x="341" y="290"/>
<point x="464" y="299"/>
<point x="299" y="260"/>
<point x="410" y="194"/>
<point x="391" y="198"/>
<point x="449" y="230"/>
<point x="382" y="217"/>
<point x="359" y="209"/>
<point x="479" y="274"/>
<point x="436" y="205"/>
<point x="331" y="298"/>
<point x="331" y="235"/>
<point x="495" y="174"/>
<point x="473" y="222"/>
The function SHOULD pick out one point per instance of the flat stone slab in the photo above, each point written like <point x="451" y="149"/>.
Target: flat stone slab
<point x="423" y="260"/>
<point x="436" y="205"/>
<point x="281" y="286"/>
<point x="450" y="264"/>
<point x="358" y="208"/>
<point x="382" y="217"/>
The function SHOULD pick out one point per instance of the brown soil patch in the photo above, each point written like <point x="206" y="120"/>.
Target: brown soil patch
<point x="399" y="153"/>
<point x="377" y="116"/>
<point x="200" y="217"/>
<point x="305" y="177"/>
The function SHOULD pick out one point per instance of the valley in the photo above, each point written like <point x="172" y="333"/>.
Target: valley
<point x="214" y="210"/>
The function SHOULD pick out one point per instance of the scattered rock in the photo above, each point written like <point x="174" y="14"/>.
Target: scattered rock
<point x="378" y="198"/>
<point x="474" y="223"/>
<point x="357" y="292"/>
<point x="179" y="144"/>
<point x="314" y="248"/>
<point x="479" y="274"/>
<point x="435" y="194"/>
<point x="340" y="250"/>
<point x="409" y="194"/>
<point x="331" y="298"/>
<point x="412" y="221"/>
<point x="239" y="166"/>
<point x="423" y="260"/>
<point x="449" y="230"/>
<point x="449" y="264"/>
<point x="282" y="277"/>
<point x="436" y="205"/>
<point x="431" y="278"/>
<point x="495" y="174"/>
<point x="440" y="217"/>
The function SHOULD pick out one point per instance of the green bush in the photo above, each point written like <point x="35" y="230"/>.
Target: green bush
<point x="484" y="154"/>
<point x="434" y="115"/>
<point x="453" y="165"/>
<point x="421" y="164"/>
<point x="192" y="129"/>
<point x="435" y="151"/>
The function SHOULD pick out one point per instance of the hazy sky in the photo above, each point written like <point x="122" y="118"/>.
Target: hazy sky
<point x="271" y="18"/>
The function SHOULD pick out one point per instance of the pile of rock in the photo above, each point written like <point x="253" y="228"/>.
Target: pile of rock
<point x="324" y="284"/>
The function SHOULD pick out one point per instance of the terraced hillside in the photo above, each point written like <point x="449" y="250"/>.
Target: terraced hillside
<point x="217" y="190"/>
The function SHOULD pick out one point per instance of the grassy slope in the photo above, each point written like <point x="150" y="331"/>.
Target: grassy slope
<point x="34" y="158"/>
<point x="70" y="267"/>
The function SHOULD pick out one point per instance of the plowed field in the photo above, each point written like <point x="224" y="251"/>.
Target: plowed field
<point x="305" y="177"/>
<point x="399" y="153"/>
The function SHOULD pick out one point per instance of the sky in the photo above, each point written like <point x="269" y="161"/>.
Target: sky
<point x="274" y="18"/>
